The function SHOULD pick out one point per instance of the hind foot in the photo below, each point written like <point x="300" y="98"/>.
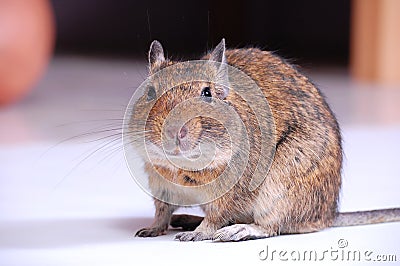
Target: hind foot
<point x="240" y="232"/>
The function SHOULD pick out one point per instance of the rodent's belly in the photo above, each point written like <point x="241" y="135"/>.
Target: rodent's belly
<point x="175" y="194"/>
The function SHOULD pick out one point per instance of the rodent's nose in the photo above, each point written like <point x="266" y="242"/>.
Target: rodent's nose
<point x="183" y="132"/>
<point x="176" y="132"/>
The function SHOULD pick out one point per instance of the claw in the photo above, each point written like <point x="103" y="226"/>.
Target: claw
<point x="150" y="232"/>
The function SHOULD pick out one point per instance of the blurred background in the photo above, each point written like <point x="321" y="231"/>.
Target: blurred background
<point x="68" y="69"/>
<point x="307" y="31"/>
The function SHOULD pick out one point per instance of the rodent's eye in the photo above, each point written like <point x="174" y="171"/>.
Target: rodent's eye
<point x="151" y="93"/>
<point x="206" y="93"/>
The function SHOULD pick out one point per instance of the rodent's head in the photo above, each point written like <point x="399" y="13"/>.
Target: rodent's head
<point x="183" y="118"/>
<point x="201" y="124"/>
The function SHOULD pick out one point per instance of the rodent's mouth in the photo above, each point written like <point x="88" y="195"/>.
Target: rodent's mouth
<point x="195" y="158"/>
<point x="191" y="154"/>
<point x="175" y="152"/>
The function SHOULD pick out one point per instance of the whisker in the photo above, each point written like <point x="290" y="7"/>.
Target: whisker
<point x="88" y="121"/>
<point x="83" y="160"/>
<point x="103" y="138"/>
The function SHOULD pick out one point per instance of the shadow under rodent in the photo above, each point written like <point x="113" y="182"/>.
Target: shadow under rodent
<point x="300" y="191"/>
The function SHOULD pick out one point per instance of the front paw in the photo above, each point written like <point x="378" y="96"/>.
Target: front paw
<point x="150" y="232"/>
<point x="192" y="236"/>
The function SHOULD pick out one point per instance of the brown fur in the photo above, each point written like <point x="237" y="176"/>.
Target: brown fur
<point x="301" y="189"/>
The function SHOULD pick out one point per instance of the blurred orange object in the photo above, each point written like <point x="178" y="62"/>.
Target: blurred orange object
<point x="375" y="41"/>
<point x="26" y="44"/>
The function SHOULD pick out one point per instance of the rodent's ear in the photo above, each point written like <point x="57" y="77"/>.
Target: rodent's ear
<point x="218" y="55"/>
<point x="156" y="53"/>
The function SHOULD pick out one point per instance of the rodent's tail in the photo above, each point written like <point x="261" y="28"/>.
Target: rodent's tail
<point x="190" y="222"/>
<point x="367" y="217"/>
